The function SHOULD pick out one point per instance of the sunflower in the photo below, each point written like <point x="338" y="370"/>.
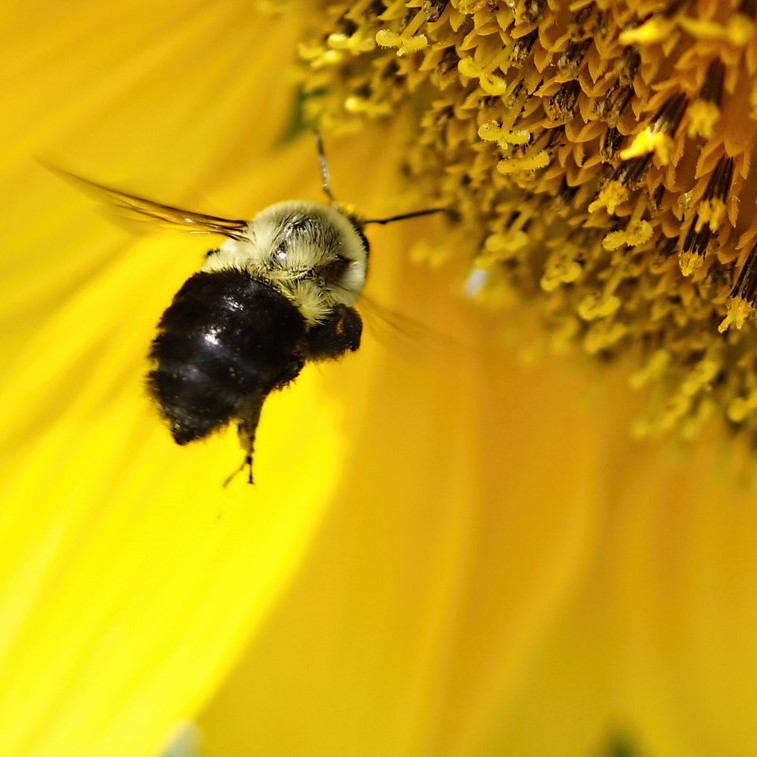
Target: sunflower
<point x="454" y="546"/>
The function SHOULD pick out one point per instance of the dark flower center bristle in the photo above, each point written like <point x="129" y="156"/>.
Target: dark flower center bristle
<point x="599" y="160"/>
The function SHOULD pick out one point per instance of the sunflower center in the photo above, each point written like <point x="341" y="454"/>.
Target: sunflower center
<point x="599" y="158"/>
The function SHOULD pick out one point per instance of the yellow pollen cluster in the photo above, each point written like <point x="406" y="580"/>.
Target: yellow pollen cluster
<point x="597" y="155"/>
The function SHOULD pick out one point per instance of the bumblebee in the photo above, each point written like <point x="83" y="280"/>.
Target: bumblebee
<point x="280" y="292"/>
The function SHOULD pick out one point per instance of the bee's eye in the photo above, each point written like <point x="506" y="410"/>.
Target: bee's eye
<point x="298" y="226"/>
<point x="334" y="270"/>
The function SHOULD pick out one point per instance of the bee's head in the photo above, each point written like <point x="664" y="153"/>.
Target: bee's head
<point x="314" y="253"/>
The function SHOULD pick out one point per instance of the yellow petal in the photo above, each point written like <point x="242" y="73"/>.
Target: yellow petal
<point x="128" y="576"/>
<point x="469" y="511"/>
<point x="516" y="577"/>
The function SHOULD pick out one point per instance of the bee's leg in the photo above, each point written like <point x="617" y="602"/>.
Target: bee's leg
<point x="246" y="428"/>
<point x="246" y="463"/>
<point x="340" y="332"/>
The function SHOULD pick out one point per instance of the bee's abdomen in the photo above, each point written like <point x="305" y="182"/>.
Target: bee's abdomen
<point x="227" y="339"/>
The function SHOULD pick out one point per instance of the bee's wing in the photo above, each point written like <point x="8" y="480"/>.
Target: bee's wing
<point x="405" y="335"/>
<point x="140" y="208"/>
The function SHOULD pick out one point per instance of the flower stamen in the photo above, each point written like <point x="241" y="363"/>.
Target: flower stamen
<point x="600" y="156"/>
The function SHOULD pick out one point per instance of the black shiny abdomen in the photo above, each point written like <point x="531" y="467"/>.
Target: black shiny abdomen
<point x="224" y="343"/>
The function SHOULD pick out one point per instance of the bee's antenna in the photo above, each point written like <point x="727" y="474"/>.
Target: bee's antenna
<point x="327" y="190"/>
<point x="405" y="216"/>
<point x="324" y="167"/>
